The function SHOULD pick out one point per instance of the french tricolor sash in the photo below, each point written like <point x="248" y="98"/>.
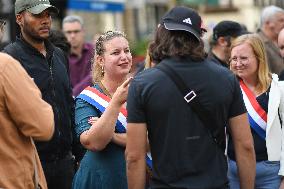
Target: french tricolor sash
<point x="101" y="101"/>
<point x="257" y="116"/>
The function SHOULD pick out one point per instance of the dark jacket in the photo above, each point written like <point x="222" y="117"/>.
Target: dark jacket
<point x="215" y="59"/>
<point x="274" y="59"/>
<point x="50" y="75"/>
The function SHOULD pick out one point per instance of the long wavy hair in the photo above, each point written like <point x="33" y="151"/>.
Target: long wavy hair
<point x="168" y="43"/>
<point x="263" y="73"/>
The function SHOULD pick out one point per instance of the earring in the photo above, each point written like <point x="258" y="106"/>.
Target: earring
<point x="103" y="71"/>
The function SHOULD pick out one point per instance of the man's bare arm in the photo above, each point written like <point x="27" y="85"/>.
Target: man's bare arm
<point x="244" y="150"/>
<point x="136" y="146"/>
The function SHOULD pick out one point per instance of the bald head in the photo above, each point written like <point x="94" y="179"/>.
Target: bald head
<point x="281" y="42"/>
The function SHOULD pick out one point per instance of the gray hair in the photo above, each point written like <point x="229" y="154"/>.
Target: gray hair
<point x="268" y="13"/>
<point x="73" y="18"/>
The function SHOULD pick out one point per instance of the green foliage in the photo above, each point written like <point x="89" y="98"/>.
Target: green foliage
<point x="139" y="48"/>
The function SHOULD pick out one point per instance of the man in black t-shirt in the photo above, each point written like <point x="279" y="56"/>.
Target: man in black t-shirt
<point x="184" y="152"/>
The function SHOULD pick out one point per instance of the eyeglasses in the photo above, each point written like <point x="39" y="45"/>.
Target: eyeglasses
<point x="241" y="59"/>
<point x="72" y="31"/>
<point x="2" y="24"/>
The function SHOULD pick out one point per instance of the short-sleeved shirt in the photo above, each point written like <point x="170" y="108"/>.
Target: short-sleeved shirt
<point x="99" y="169"/>
<point x="184" y="154"/>
<point x="83" y="112"/>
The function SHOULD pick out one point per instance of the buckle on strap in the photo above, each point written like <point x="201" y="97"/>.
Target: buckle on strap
<point x="190" y="96"/>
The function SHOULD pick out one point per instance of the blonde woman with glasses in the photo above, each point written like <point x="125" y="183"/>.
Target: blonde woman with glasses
<point x="263" y="97"/>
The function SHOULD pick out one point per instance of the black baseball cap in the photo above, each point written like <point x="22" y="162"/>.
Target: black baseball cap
<point x="228" y="28"/>
<point x="184" y="19"/>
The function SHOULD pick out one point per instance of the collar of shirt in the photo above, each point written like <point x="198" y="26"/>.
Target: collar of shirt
<point x="87" y="47"/>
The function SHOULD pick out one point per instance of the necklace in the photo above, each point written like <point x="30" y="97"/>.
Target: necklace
<point x="104" y="89"/>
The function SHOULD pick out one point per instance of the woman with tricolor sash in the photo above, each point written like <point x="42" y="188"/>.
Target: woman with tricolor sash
<point x="263" y="97"/>
<point x="100" y="116"/>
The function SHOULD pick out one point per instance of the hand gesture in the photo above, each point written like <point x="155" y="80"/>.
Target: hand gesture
<point x="121" y="92"/>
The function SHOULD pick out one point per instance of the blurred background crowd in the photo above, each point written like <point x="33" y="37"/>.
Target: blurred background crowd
<point x="82" y="25"/>
<point x="139" y="18"/>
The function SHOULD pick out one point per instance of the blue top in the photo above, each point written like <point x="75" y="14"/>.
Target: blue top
<point x="104" y="169"/>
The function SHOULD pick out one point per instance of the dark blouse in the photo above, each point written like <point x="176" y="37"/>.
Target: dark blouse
<point x="259" y="143"/>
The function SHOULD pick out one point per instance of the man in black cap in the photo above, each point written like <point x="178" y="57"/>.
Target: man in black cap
<point x="220" y="43"/>
<point x="45" y="64"/>
<point x="182" y="106"/>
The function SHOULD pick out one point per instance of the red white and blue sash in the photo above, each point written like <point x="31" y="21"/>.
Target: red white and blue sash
<point x="257" y="116"/>
<point x="100" y="101"/>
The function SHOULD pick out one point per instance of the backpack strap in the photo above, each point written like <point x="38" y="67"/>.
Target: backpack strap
<point x="191" y="98"/>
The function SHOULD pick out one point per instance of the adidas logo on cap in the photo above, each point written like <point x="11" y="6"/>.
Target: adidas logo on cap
<point x="184" y="19"/>
<point x="188" y="21"/>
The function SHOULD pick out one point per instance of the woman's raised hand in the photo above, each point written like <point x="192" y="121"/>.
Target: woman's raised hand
<point x="121" y="92"/>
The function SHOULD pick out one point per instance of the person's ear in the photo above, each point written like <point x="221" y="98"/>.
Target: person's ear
<point x="19" y="19"/>
<point x="222" y="41"/>
<point x="100" y="60"/>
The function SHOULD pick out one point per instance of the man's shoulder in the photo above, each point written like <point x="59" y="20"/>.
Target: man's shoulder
<point x="12" y="48"/>
<point x="217" y="74"/>
<point x="147" y="74"/>
<point x="147" y="77"/>
<point x="88" y="46"/>
<point x="8" y="63"/>
<point x="215" y="67"/>
<point x="58" y="52"/>
<point x="3" y="45"/>
<point x="214" y="59"/>
<point x="263" y="36"/>
<point x="5" y="60"/>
